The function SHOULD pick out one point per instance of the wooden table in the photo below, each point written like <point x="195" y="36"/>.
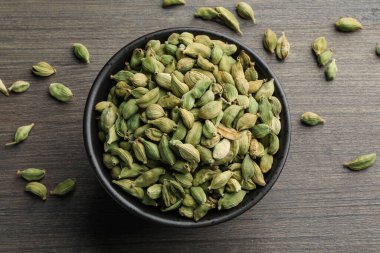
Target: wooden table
<point x="316" y="205"/>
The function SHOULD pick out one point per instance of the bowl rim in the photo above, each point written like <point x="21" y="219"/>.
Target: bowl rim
<point x="107" y="184"/>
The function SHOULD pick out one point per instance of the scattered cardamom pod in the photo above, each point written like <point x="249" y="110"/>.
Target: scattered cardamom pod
<point x="64" y="187"/>
<point x="331" y="70"/>
<point x="348" y="24"/>
<point x="270" y="40"/>
<point x="43" y="69"/>
<point x="3" y="89"/>
<point x="167" y="3"/>
<point x="21" y="134"/>
<point x="319" y="45"/>
<point x="311" y="119"/>
<point x="229" y="19"/>
<point x="60" y="92"/>
<point x="31" y="174"/>
<point x="19" y="86"/>
<point x="324" y="57"/>
<point x="361" y="162"/>
<point x="245" y="11"/>
<point x="206" y="13"/>
<point x="37" y="189"/>
<point x="81" y="52"/>
<point x="282" y="47"/>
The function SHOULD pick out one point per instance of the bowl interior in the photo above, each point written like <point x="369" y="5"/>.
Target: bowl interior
<point x="94" y="147"/>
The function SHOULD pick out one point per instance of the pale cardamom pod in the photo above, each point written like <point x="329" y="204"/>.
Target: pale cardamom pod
<point x="31" y="174"/>
<point x="331" y="70"/>
<point x="245" y="11"/>
<point x="311" y="119"/>
<point x="282" y="47"/>
<point x="43" y="69"/>
<point x="167" y="3"/>
<point x="3" y="89"/>
<point x="319" y="45"/>
<point x="229" y="19"/>
<point x="206" y="13"/>
<point x="19" y="86"/>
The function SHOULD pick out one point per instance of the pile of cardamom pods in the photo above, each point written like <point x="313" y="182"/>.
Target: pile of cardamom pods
<point x="188" y="126"/>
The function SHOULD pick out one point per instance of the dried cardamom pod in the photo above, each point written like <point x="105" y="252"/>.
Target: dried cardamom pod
<point x="3" y="89"/>
<point x="282" y="47"/>
<point x="331" y="70"/>
<point x="245" y="11"/>
<point x="348" y="24"/>
<point x="129" y="187"/>
<point x="166" y="154"/>
<point x="324" y="57"/>
<point x="21" y="134"/>
<point x="64" y="187"/>
<point x="319" y="45"/>
<point x="149" y="177"/>
<point x="230" y="200"/>
<point x="311" y="119"/>
<point x="167" y="3"/>
<point x="37" y="189"/>
<point x="206" y="13"/>
<point x="81" y="52"/>
<point x="154" y="191"/>
<point x="194" y="134"/>
<point x="139" y="80"/>
<point x="229" y="19"/>
<point x="19" y="86"/>
<point x="122" y="75"/>
<point x="198" y="194"/>
<point x="43" y="69"/>
<point x="60" y="92"/>
<point x="202" y="210"/>
<point x="31" y="174"/>
<point x="361" y="162"/>
<point x="266" y="162"/>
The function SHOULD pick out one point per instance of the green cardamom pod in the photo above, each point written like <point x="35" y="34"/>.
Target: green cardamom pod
<point x="139" y="151"/>
<point x="274" y="144"/>
<point x="209" y="130"/>
<point x="266" y="162"/>
<point x="19" y="86"/>
<point x="205" y="64"/>
<point x="194" y="134"/>
<point x="155" y="111"/>
<point x="207" y="97"/>
<point x="149" y="177"/>
<point x="169" y="101"/>
<point x="103" y="105"/>
<point x="64" y="187"/>
<point x="247" y="121"/>
<point x="210" y="143"/>
<point x="185" y="181"/>
<point x="204" y="39"/>
<point x="43" y="69"/>
<point x="166" y="154"/>
<point x="137" y="55"/>
<point x="60" y="92"/>
<point x="134" y="171"/>
<point x="154" y="134"/>
<point x="244" y="142"/>
<point x="205" y="155"/>
<point x="206" y="13"/>
<point x="331" y="70"/>
<point x="251" y="75"/>
<point x="348" y="24"/>
<point x="122" y="75"/>
<point x="129" y="187"/>
<point x="166" y="125"/>
<point x="187" y="151"/>
<point x="167" y="3"/>
<point x="139" y="80"/>
<point x="254" y="86"/>
<point x="266" y="90"/>
<point x="124" y="155"/>
<point x="185" y="211"/>
<point x="324" y="57"/>
<point x="319" y="45"/>
<point x="270" y="40"/>
<point x="361" y="162"/>
<point x="31" y="174"/>
<point x="149" y="98"/>
<point x="247" y="169"/>
<point x="202" y="210"/>
<point x="276" y="106"/>
<point x="154" y="191"/>
<point x="21" y="134"/>
<point x="180" y="133"/>
<point x="260" y="130"/>
<point x="245" y="11"/>
<point x="230" y="200"/>
<point x="164" y="80"/>
<point x="81" y="52"/>
<point x="197" y="49"/>
<point x="229" y="19"/>
<point x="228" y="49"/>
<point x="220" y="180"/>
<point x="110" y="161"/>
<point x="3" y="89"/>
<point x="210" y="110"/>
<point x="282" y="47"/>
<point x="258" y="177"/>
<point x="221" y="149"/>
<point x="178" y="88"/>
<point x="115" y="172"/>
<point x="37" y="189"/>
<point x="152" y="65"/>
<point x="311" y="119"/>
<point x="198" y="194"/>
<point x="256" y="149"/>
<point x="275" y="125"/>
<point x="151" y="149"/>
<point x="233" y="185"/>
<point x="216" y="54"/>
<point x="265" y="110"/>
<point x="185" y="64"/>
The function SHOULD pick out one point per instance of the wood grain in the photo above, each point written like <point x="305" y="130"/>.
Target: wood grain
<point x="315" y="206"/>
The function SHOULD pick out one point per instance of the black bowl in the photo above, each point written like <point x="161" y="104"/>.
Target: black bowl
<point x="94" y="147"/>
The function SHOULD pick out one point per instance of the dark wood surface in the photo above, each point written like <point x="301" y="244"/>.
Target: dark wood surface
<point x="316" y="205"/>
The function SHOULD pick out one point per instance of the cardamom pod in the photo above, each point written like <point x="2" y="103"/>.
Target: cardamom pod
<point x="64" y="187"/>
<point x="270" y="40"/>
<point x="37" y="189"/>
<point x="258" y="177"/>
<point x="282" y="47"/>
<point x="210" y="110"/>
<point x="202" y="210"/>
<point x="151" y="149"/>
<point x="60" y="92"/>
<point x="348" y="24"/>
<point x="194" y="134"/>
<point x="129" y="187"/>
<point x="167" y="3"/>
<point x="122" y="75"/>
<point x="19" y="86"/>
<point x="319" y="45"/>
<point x="154" y="191"/>
<point x="229" y="19"/>
<point x="81" y="52"/>
<point x="166" y="125"/>
<point x="139" y="80"/>
<point x="361" y="162"/>
<point x="331" y="70"/>
<point x="266" y="162"/>
<point x="221" y="149"/>
<point x="149" y="177"/>
<point x="324" y="57"/>
<point x="311" y="119"/>
<point x="230" y="200"/>
<point x="198" y="194"/>
<point x="43" y="69"/>
<point x="166" y="154"/>
<point x="245" y="11"/>
<point x="21" y="134"/>
<point x="206" y="13"/>
<point x="31" y="174"/>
